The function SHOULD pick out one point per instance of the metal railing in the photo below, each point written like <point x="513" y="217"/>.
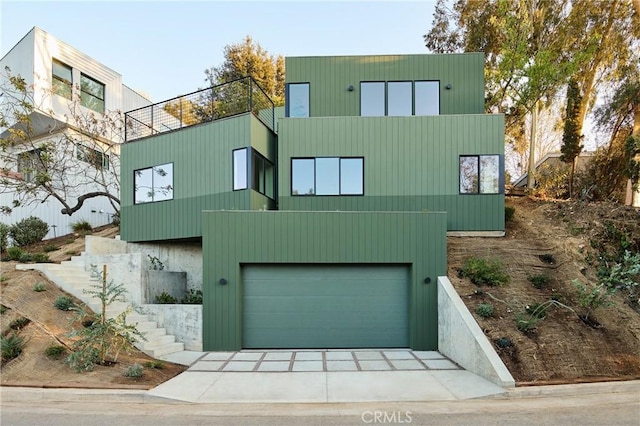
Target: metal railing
<point x="213" y="103"/>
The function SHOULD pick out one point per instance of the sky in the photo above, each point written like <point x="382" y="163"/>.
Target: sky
<point x="162" y="48"/>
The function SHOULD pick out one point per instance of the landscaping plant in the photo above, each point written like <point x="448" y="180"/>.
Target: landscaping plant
<point x="484" y="271"/>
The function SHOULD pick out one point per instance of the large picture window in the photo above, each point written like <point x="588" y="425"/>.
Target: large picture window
<point x="91" y="93"/>
<point x="327" y="176"/>
<point x="480" y="174"/>
<point x="153" y="184"/>
<point x="61" y="79"/>
<point x="399" y="98"/>
<point x="262" y="176"/>
<point x="298" y="100"/>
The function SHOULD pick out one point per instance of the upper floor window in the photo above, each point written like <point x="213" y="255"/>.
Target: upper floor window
<point x="262" y="172"/>
<point x="61" y="79"/>
<point x="327" y="176"/>
<point x="480" y="174"/>
<point x="91" y="93"/>
<point x="96" y="158"/>
<point x="30" y="163"/>
<point x="399" y="98"/>
<point x="153" y="184"/>
<point x="297" y="100"/>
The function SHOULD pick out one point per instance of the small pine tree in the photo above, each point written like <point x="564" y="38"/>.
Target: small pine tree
<point x="571" y="138"/>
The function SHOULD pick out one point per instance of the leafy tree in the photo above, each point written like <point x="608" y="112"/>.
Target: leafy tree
<point x="571" y="137"/>
<point x="36" y="165"/>
<point x="248" y="58"/>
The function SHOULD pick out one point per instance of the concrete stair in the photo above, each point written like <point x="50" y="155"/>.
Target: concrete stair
<point x="71" y="277"/>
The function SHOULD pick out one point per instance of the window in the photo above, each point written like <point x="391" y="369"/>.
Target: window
<point x="480" y="174"/>
<point x="372" y="99"/>
<point x="427" y="97"/>
<point x="298" y="100"/>
<point x="153" y="184"/>
<point x="61" y="80"/>
<point x="30" y="163"/>
<point x="399" y="98"/>
<point x="262" y="172"/>
<point x="97" y="159"/>
<point x="240" y="169"/>
<point x="327" y="176"/>
<point x="91" y="93"/>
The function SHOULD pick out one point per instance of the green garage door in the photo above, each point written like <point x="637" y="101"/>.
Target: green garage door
<point x="328" y="306"/>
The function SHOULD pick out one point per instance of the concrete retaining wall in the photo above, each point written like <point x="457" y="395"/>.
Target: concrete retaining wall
<point x="461" y="339"/>
<point x="122" y="269"/>
<point x="182" y="321"/>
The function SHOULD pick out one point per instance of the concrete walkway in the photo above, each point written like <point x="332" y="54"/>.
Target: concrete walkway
<point x="324" y="376"/>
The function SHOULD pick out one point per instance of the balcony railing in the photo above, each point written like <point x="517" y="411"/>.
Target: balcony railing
<point x="224" y="100"/>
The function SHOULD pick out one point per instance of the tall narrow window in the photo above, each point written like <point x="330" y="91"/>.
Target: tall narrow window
<point x="298" y="102"/>
<point x="399" y="98"/>
<point x="240" y="169"/>
<point x="91" y="93"/>
<point x="153" y="184"/>
<point x="61" y="79"/>
<point x="427" y="97"/>
<point x="303" y="172"/>
<point x="480" y="174"/>
<point x="351" y="176"/>
<point x="372" y="99"/>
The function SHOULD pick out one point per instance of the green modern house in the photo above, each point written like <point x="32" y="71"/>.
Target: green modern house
<point x="323" y="224"/>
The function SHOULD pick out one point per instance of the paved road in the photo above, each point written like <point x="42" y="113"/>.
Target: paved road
<point x="593" y="409"/>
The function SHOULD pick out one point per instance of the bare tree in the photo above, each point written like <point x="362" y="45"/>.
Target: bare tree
<point x="71" y="158"/>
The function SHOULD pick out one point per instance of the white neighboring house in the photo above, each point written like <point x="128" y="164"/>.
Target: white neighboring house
<point x="66" y="84"/>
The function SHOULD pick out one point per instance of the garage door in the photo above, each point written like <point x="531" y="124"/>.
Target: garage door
<point x="294" y="306"/>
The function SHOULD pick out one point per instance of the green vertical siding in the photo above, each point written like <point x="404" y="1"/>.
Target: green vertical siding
<point x="232" y="239"/>
<point x="202" y="176"/>
<point x="410" y="164"/>
<point x="330" y="77"/>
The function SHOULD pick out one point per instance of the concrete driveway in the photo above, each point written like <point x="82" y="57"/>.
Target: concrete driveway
<point x="324" y="376"/>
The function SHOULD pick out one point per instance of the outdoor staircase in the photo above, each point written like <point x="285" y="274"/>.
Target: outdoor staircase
<point x="71" y="277"/>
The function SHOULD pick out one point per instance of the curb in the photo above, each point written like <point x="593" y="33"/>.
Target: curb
<point x="632" y="386"/>
<point x="23" y="394"/>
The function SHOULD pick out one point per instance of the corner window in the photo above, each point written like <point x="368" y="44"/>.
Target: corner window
<point x="298" y="100"/>
<point x="153" y="184"/>
<point x="480" y="174"/>
<point x="97" y="159"/>
<point x="327" y="176"/>
<point x="262" y="172"/>
<point x="61" y="79"/>
<point x="91" y="93"/>
<point x="399" y="98"/>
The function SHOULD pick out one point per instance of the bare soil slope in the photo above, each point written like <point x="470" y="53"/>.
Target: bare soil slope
<point x="49" y="326"/>
<point x="557" y="239"/>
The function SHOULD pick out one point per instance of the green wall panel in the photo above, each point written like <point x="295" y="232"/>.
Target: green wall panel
<point x="232" y="239"/>
<point x="410" y="163"/>
<point x="329" y="78"/>
<point x="202" y="176"/>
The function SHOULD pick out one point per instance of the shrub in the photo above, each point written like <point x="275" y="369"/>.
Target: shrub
<point x="503" y="342"/>
<point x="165" y="298"/>
<point x="40" y="258"/>
<point x="3" y="309"/>
<point x="537" y="309"/>
<point x="39" y="286"/>
<point x="590" y="300"/>
<point x="193" y="297"/>
<point x="28" y="231"/>
<point x="485" y="310"/>
<point x="509" y="212"/>
<point x="484" y="271"/>
<point x="49" y="247"/>
<point x="19" y="323"/>
<point x="134" y="371"/>
<point x="55" y="352"/>
<point x="81" y="227"/>
<point x="4" y="236"/>
<point x="539" y="281"/>
<point x="154" y="364"/>
<point x="25" y="257"/>
<point x="11" y="346"/>
<point x="64" y="303"/>
<point x="14" y="253"/>
<point x="526" y="321"/>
